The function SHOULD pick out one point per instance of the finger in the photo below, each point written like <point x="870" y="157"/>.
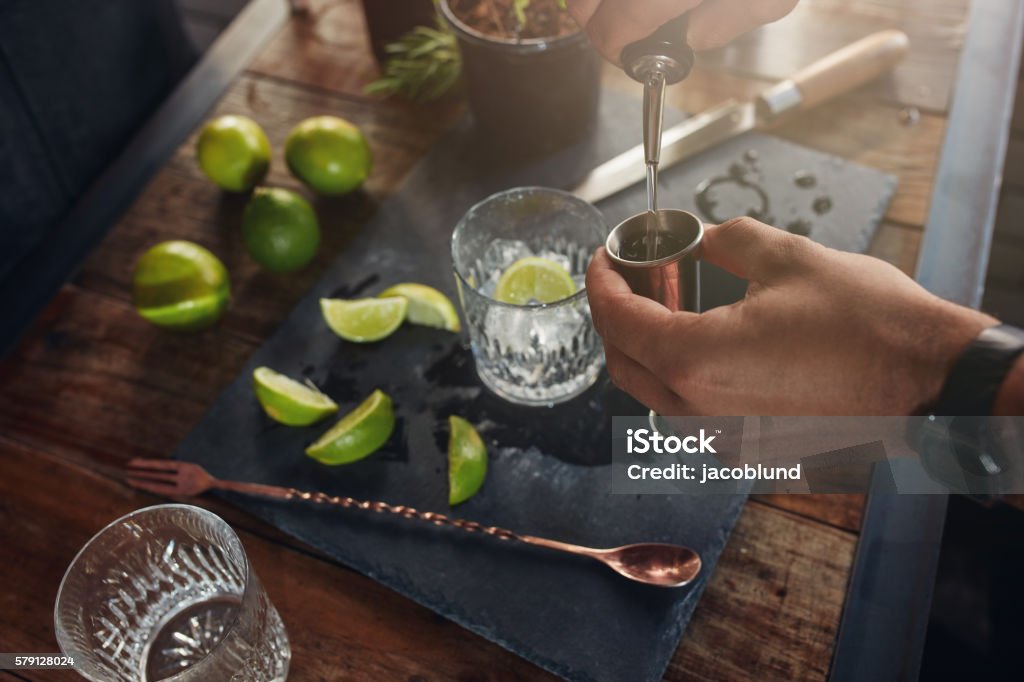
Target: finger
<point x="636" y="325"/>
<point x="752" y="250"/>
<point x="718" y="22"/>
<point x="582" y="10"/>
<point x="641" y="383"/>
<point x="617" y="23"/>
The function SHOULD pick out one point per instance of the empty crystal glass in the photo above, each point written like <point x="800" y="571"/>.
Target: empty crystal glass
<point x="167" y="593"/>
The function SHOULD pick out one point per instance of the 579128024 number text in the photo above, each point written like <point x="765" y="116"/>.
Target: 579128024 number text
<point x="35" y="661"/>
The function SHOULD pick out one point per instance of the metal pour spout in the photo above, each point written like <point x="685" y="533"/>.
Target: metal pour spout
<point x="654" y="115"/>
<point x="661" y="59"/>
<point x="657" y="61"/>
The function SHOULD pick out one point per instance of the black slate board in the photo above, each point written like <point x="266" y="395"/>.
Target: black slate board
<point x="549" y="467"/>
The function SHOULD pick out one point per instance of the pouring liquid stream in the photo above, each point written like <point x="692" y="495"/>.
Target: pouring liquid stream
<point x="654" y="107"/>
<point x="651" y="238"/>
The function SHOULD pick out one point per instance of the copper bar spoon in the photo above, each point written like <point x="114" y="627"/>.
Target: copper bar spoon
<point x="651" y="563"/>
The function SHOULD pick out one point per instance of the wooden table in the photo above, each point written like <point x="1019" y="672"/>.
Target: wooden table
<point x="92" y="385"/>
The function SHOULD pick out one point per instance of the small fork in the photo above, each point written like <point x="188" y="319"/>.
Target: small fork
<point x="652" y="563"/>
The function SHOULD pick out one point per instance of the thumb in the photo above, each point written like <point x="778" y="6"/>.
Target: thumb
<point x="715" y="23"/>
<point x="752" y="250"/>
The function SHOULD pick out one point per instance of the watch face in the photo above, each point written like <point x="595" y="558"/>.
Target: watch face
<point x="971" y="455"/>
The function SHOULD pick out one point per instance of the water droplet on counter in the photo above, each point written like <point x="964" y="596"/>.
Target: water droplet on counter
<point x="800" y="227"/>
<point x="724" y="197"/>
<point x="805" y="179"/>
<point x="751" y="156"/>
<point x="822" y="205"/>
<point x="910" y="116"/>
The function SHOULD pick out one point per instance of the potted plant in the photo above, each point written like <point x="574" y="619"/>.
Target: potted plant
<point x="388" y="20"/>
<point x="531" y="75"/>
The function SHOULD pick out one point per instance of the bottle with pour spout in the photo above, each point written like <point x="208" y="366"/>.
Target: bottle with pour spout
<point x="662" y="59"/>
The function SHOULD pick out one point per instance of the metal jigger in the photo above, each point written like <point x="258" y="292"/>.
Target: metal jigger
<point x="673" y="279"/>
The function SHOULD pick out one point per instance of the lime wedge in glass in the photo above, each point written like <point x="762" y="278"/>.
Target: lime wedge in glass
<point x="467" y="461"/>
<point x="534" y="280"/>
<point x="287" y="401"/>
<point x="358" y="434"/>
<point x="365" y="319"/>
<point x="427" y="306"/>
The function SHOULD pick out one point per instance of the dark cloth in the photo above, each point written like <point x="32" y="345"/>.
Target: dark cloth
<point x="77" y="79"/>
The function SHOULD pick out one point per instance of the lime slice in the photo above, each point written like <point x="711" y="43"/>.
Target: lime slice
<point x="534" y="279"/>
<point x="358" y="434"/>
<point x="365" y="319"/>
<point x="427" y="306"/>
<point x="287" y="401"/>
<point x="467" y="461"/>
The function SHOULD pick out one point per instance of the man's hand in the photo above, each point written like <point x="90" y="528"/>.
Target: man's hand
<point x="613" y="24"/>
<point x="819" y="332"/>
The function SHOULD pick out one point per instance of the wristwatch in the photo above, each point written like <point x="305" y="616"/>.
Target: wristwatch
<point x="971" y="388"/>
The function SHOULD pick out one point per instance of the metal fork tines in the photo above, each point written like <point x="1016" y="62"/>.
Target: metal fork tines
<point x="168" y="477"/>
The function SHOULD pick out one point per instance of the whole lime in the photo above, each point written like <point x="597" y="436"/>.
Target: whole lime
<point x="180" y="285"/>
<point x="329" y="154"/>
<point x="234" y="152"/>
<point x="280" y="229"/>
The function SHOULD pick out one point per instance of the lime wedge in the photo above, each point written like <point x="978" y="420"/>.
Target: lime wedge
<point x="427" y="306"/>
<point x="358" y="434"/>
<point x="467" y="461"/>
<point x="365" y="319"/>
<point x="534" y="280"/>
<point x="287" y="401"/>
<point x="192" y="314"/>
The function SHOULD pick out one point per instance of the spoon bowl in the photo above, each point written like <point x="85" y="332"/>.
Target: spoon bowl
<point x="653" y="563"/>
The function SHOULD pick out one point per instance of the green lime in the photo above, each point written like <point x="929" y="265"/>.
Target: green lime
<point x="358" y="434"/>
<point x="180" y="285"/>
<point x="280" y="229"/>
<point x="427" y="306"/>
<point x="234" y="152"/>
<point x="287" y="401"/>
<point x="534" y="279"/>
<point x="329" y="154"/>
<point x="365" y="319"/>
<point x="467" y="461"/>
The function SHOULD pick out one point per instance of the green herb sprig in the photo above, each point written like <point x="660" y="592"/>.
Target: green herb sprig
<point x="422" y="65"/>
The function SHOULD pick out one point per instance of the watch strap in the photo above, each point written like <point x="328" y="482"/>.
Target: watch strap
<point x="973" y="384"/>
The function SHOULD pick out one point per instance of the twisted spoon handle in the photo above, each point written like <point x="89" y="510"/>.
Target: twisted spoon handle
<point x="401" y="510"/>
<point x="405" y="512"/>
